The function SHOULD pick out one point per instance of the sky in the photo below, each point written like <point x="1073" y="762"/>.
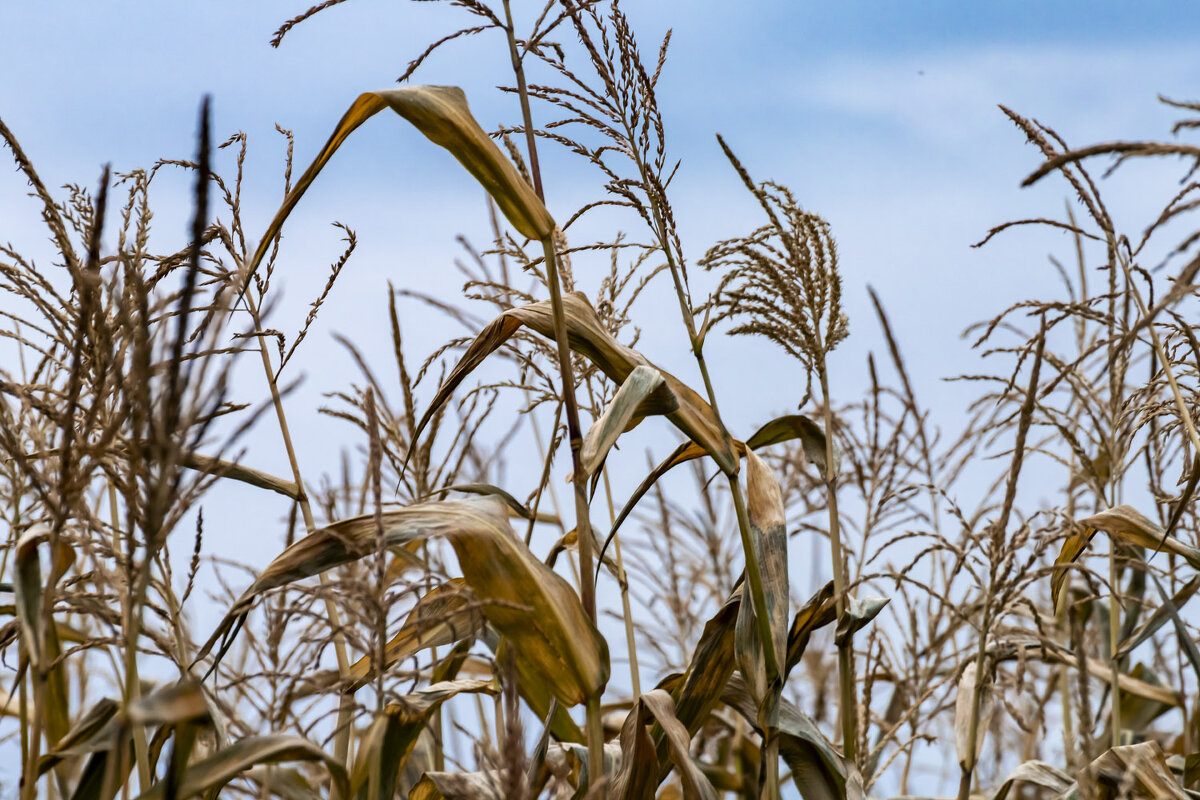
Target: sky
<point x="882" y="116"/>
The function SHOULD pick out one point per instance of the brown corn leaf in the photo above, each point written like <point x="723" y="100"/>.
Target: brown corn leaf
<point x="459" y="786"/>
<point x="819" y="611"/>
<point x="84" y="730"/>
<point x="1126" y="524"/>
<point x="521" y="597"/>
<point x="819" y="771"/>
<point x="1137" y="771"/>
<point x="212" y="773"/>
<point x="447" y="614"/>
<point x="1160" y="617"/>
<point x="796" y="426"/>
<point x="776" y="431"/>
<point x="637" y="778"/>
<point x="40" y="640"/>
<point x="643" y="392"/>
<point x="442" y="114"/>
<point x="389" y="741"/>
<point x="211" y="465"/>
<point x="963" y="704"/>
<point x="1035" y="773"/>
<point x="537" y="694"/>
<point x="587" y="336"/>
<point x="764" y="502"/>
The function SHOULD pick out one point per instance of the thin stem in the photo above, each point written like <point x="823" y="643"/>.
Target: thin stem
<point x="345" y="705"/>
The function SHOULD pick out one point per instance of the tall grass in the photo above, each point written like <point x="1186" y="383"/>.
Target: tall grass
<point x="414" y="637"/>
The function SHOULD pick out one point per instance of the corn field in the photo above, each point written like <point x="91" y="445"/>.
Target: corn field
<point x="1004" y="598"/>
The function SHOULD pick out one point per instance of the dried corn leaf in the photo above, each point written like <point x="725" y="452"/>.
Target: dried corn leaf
<point x="221" y="468"/>
<point x="776" y="431"/>
<point x="445" y="615"/>
<point x="1137" y="771"/>
<point x="964" y="704"/>
<point x="1160" y="617"/>
<point x="764" y="502"/>
<point x="459" y="786"/>
<point x="212" y="773"/>
<point x="638" y="776"/>
<point x="442" y="114"/>
<point x="819" y="771"/>
<point x="819" y="611"/>
<point x="1035" y="773"/>
<point x="642" y="393"/>
<point x="796" y="426"/>
<point x="1126" y="524"/>
<point x="521" y="597"/>
<point x="389" y="741"/>
<point x="588" y="337"/>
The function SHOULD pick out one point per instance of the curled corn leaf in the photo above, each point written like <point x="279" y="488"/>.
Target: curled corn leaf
<point x="638" y="776"/>
<point x="587" y="336"/>
<point x="1123" y="523"/>
<point x="442" y="114"/>
<point x="765" y="505"/>
<point x="643" y="392"/>
<point x="390" y="739"/>
<point x="526" y="601"/>
<point x="782" y="429"/>
<point x="447" y="614"/>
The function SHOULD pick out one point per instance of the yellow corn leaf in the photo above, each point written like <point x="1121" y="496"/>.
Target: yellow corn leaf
<point x="521" y="597"/>
<point x="389" y="741"/>
<point x="587" y="336"/>
<point x="764" y="501"/>
<point x="445" y="615"/>
<point x="1126" y="524"/>
<point x="442" y="114"/>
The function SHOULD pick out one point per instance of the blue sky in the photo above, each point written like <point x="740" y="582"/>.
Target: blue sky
<point x="880" y="115"/>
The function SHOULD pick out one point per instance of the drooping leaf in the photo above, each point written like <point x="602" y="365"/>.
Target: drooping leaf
<point x="776" y="431"/>
<point x="642" y="393"/>
<point x="796" y="426"/>
<point x="819" y="611"/>
<point x="1160" y="617"/>
<point x="84" y="730"/>
<point x="1035" y="773"/>
<point x="458" y="786"/>
<point x="212" y="773"/>
<point x="588" y="337"/>
<point x="1136" y="771"/>
<point x="1126" y="524"/>
<point x="521" y="597"/>
<point x="638" y="778"/>
<point x="764" y="502"/>
<point x="859" y="613"/>
<point x="446" y="614"/>
<point x="819" y="771"/>
<point x="964" y="705"/>
<point x="389" y="741"/>
<point x="538" y="695"/>
<point x="441" y="113"/>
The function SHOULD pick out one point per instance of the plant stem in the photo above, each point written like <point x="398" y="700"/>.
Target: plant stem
<point x="345" y="704"/>
<point x="848" y="704"/>
<point x="630" y="638"/>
